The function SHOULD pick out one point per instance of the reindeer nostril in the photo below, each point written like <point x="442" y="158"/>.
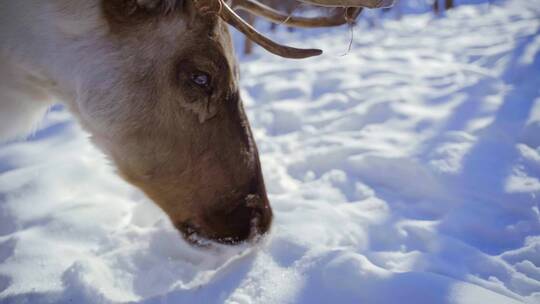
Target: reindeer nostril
<point x="252" y="200"/>
<point x="260" y="215"/>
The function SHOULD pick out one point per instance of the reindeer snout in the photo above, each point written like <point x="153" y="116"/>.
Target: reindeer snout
<point x="250" y="218"/>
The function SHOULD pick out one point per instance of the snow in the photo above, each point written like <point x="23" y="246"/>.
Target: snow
<point x="407" y="170"/>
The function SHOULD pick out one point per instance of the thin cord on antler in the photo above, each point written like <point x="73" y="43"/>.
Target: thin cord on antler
<point x="350" y="23"/>
<point x="291" y="13"/>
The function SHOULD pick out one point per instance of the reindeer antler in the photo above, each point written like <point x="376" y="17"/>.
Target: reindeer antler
<point x="342" y="16"/>
<point x="351" y="3"/>
<point x="339" y="17"/>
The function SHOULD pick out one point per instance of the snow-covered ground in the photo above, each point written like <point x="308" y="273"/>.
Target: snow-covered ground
<point x="407" y="171"/>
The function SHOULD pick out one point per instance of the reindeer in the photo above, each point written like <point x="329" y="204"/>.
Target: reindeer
<point x="155" y="84"/>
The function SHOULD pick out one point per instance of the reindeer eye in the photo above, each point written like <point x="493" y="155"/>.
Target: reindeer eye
<point x="201" y="79"/>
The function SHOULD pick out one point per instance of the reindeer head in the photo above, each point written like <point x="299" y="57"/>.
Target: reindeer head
<point x="163" y="103"/>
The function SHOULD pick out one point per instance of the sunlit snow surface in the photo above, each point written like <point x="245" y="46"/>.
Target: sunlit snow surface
<point x="407" y="171"/>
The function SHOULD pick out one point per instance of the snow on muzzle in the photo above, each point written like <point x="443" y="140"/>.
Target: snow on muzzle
<point x="247" y="220"/>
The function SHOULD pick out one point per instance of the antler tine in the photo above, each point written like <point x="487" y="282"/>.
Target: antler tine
<point x="225" y="12"/>
<point x="351" y="3"/>
<point x="229" y="16"/>
<point x="338" y="18"/>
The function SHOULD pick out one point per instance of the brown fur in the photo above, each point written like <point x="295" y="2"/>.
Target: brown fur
<point x="190" y="149"/>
